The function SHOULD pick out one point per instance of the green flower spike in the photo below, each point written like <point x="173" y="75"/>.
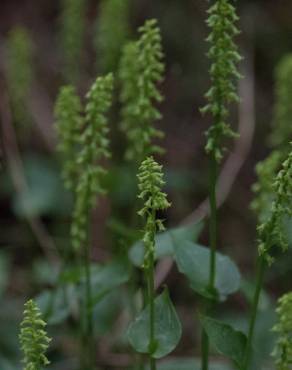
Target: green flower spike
<point x="279" y="140"/>
<point x="141" y="69"/>
<point x="68" y="124"/>
<point x="71" y="36"/>
<point x="283" y="350"/>
<point x="112" y="32"/>
<point x="151" y="181"/>
<point x="33" y="338"/>
<point x="282" y="130"/>
<point x="19" y="71"/>
<point x="224" y="56"/>
<point x="271" y="231"/>
<point x="94" y="148"/>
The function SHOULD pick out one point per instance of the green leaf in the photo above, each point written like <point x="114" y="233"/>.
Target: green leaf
<point x="165" y="242"/>
<point x="167" y="328"/>
<point x="56" y="305"/>
<point x="103" y="278"/>
<point x="225" y="339"/>
<point x="190" y="364"/>
<point x="193" y="261"/>
<point x="45" y="193"/>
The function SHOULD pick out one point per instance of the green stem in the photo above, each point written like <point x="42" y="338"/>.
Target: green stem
<point x="87" y="355"/>
<point x="261" y="264"/>
<point x="151" y="296"/>
<point x="213" y="169"/>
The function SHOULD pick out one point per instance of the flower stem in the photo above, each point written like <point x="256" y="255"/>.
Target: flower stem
<point x="87" y="336"/>
<point x="151" y="296"/>
<point x="213" y="169"/>
<point x="261" y="264"/>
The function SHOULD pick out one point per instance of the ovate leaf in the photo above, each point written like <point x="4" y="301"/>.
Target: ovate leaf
<point x="225" y="339"/>
<point x="166" y="241"/>
<point x="167" y="328"/>
<point x="193" y="261"/>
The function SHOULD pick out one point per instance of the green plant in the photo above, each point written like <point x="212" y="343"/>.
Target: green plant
<point x="68" y="124"/>
<point x="72" y="24"/>
<point x="141" y="68"/>
<point x="224" y="57"/>
<point x="84" y="143"/>
<point x="19" y="72"/>
<point x="150" y="179"/>
<point x="33" y="338"/>
<point x="283" y="350"/>
<point x="112" y="32"/>
<point x="271" y="234"/>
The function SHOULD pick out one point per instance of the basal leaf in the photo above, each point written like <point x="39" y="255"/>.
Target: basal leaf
<point x="167" y="328"/>
<point x="225" y="339"/>
<point x="193" y="261"/>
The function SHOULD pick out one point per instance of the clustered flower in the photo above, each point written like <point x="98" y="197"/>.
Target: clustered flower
<point x="33" y="338"/>
<point x="283" y="350"/>
<point x="150" y="182"/>
<point x="141" y="68"/>
<point x="224" y="56"/>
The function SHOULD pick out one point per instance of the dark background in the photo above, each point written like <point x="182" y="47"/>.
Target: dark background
<point x="266" y="37"/>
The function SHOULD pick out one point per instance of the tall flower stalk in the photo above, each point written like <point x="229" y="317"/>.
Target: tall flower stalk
<point x="266" y="192"/>
<point x="150" y="179"/>
<point x="84" y="144"/>
<point x="224" y="74"/>
<point x="270" y="234"/>
<point x="33" y="338"/>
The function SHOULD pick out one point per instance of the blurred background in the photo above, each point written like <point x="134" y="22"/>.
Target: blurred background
<point x="40" y="50"/>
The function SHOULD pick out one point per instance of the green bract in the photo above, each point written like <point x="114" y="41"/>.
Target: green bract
<point x="19" y="70"/>
<point x="150" y="178"/>
<point x="71" y="34"/>
<point x="271" y="231"/>
<point x="94" y="147"/>
<point x="141" y="69"/>
<point x="68" y="123"/>
<point x="283" y="350"/>
<point x="224" y="56"/>
<point x="112" y="31"/>
<point x="33" y="338"/>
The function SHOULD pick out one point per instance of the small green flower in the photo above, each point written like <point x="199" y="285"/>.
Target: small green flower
<point x="283" y="350"/>
<point x="94" y="145"/>
<point x="140" y="70"/>
<point x="271" y="231"/>
<point x="151" y="181"/>
<point x="112" y="32"/>
<point x="224" y="56"/>
<point x="33" y="338"/>
<point x="69" y="122"/>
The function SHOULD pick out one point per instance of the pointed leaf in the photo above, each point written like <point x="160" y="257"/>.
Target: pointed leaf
<point x="193" y="261"/>
<point x="225" y="339"/>
<point x="167" y="328"/>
